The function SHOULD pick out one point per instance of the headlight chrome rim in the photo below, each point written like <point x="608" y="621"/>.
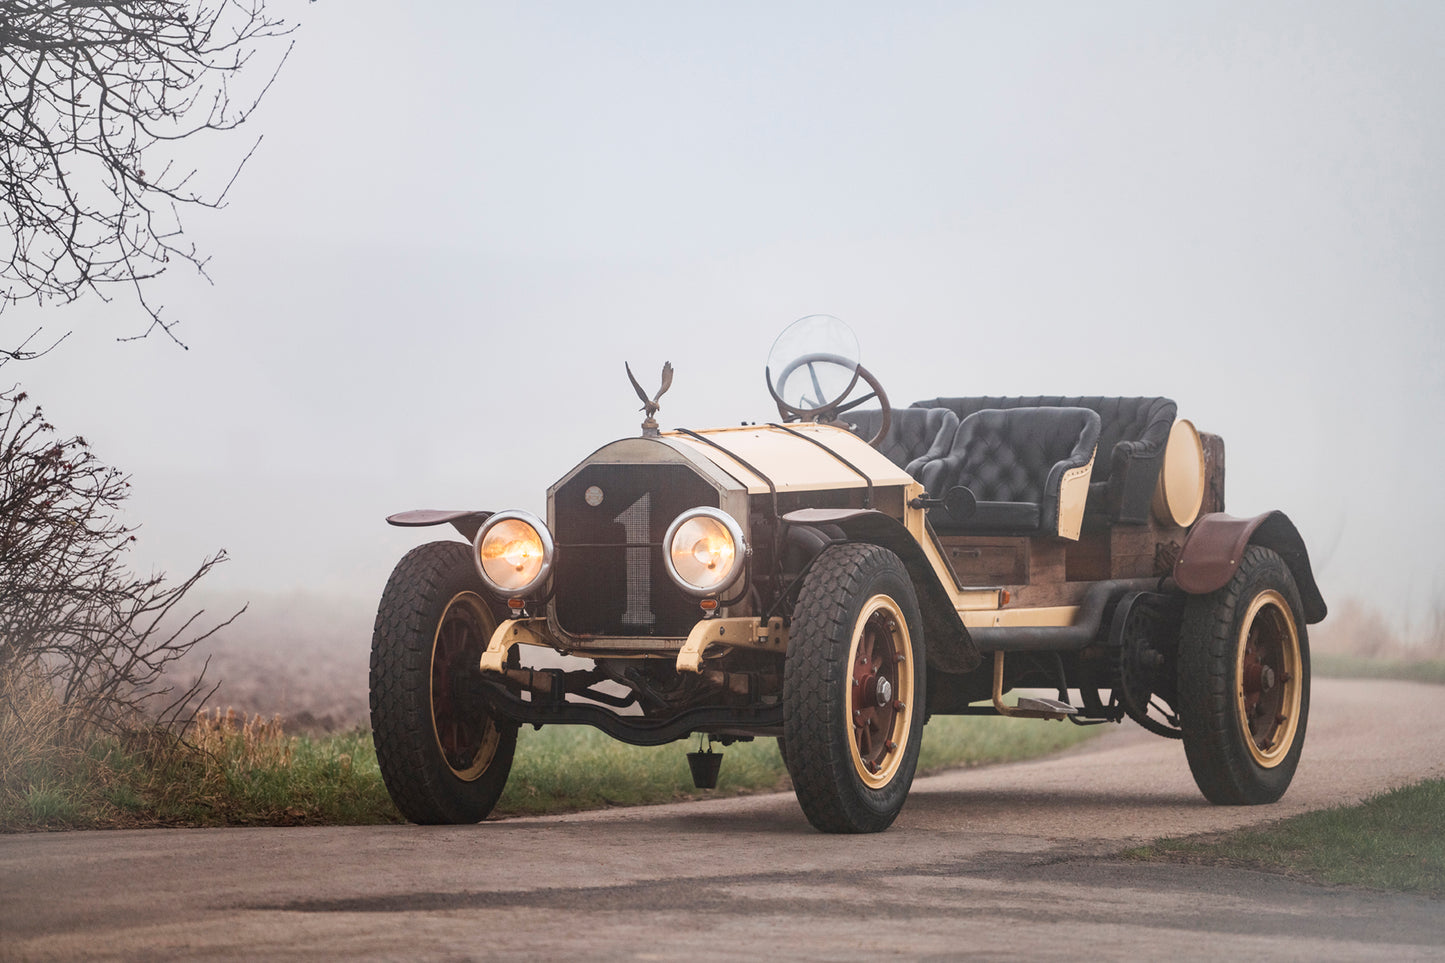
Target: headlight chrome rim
<point x="544" y="538"/>
<point x="740" y="552"/>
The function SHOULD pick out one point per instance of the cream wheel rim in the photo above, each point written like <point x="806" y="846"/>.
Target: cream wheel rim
<point x="1268" y="678"/>
<point x="880" y="691"/>
<point x="467" y="740"/>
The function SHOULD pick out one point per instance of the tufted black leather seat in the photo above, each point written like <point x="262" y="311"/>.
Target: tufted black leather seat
<point x="917" y="435"/>
<point x="1013" y="460"/>
<point x="1132" y="437"/>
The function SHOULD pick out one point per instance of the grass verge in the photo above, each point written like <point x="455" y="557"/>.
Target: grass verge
<point x="245" y="772"/>
<point x="229" y="771"/>
<point x="1391" y="841"/>
<point x="564" y="769"/>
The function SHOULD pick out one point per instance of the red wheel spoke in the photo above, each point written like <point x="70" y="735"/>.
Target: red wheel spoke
<point x="875" y="673"/>
<point x="865" y="655"/>
<point x="462" y="738"/>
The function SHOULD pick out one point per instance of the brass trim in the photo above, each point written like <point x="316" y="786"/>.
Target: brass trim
<point x="1056" y="615"/>
<point x="1014" y="712"/>
<point x="745" y="633"/>
<point x="513" y="632"/>
<point x="1073" y="493"/>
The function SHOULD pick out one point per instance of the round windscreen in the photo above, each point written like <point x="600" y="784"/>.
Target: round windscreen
<point x="813" y="363"/>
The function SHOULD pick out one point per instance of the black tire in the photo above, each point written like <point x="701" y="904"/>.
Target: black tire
<point x="1244" y="683"/>
<point x="851" y="746"/>
<point x="443" y="760"/>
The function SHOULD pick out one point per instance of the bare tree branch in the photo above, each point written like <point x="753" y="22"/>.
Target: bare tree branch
<point x="96" y="99"/>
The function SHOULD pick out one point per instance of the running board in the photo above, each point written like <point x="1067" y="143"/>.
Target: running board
<point x="1043" y="708"/>
<point x="1028" y="707"/>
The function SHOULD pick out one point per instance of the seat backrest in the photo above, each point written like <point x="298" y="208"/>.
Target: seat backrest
<point x="1121" y="419"/>
<point x="917" y="435"/>
<point x="1132" y="436"/>
<point x="1016" y="462"/>
<point x="1008" y="454"/>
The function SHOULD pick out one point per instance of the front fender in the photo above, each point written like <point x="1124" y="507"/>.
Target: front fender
<point x="468" y="523"/>
<point x="1216" y="543"/>
<point x="946" y="640"/>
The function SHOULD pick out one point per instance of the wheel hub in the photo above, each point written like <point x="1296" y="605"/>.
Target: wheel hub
<point x="883" y="691"/>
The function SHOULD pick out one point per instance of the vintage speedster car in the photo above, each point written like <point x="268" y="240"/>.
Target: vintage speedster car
<point x="836" y="578"/>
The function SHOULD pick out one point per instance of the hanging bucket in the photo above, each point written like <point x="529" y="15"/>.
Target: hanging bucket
<point x="704" y="766"/>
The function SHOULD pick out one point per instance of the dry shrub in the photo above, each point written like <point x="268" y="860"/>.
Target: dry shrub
<point x="243" y="742"/>
<point x="224" y="767"/>
<point x="208" y="772"/>
<point x="53" y="771"/>
<point x="34" y="730"/>
<point x="71" y="610"/>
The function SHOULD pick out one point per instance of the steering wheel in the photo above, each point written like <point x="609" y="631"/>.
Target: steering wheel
<point x="817" y="406"/>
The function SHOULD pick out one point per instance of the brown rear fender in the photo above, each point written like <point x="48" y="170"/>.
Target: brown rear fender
<point x="468" y="523"/>
<point x="946" y="640"/>
<point x="1217" y="541"/>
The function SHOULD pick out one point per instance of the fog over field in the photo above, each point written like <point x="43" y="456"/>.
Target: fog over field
<point x="462" y="220"/>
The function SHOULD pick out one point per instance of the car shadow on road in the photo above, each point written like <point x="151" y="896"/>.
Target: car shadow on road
<point x="1014" y="799"/>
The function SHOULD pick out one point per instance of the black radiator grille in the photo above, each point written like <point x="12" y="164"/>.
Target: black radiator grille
<point x="610" y="576"/>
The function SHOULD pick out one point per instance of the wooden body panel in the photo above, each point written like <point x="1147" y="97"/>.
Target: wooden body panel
<point x="1048" y="571"/>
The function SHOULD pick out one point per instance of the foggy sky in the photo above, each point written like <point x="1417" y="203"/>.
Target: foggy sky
<point x="464" y="217"/>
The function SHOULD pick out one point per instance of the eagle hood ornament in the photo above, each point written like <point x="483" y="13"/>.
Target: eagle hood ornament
<point x="650" y="405"/>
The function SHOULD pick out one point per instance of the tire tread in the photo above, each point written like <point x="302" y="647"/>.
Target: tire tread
<point x="820" y="763"/>
<point x="420" y="784"/>
<point x="1221" y="765"/>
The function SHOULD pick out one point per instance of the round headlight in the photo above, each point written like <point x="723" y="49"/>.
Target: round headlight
<point x="705" y="551"/>
<point x="514" y="553"/>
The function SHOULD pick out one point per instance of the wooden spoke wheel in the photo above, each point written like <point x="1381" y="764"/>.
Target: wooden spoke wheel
<point x="468" y="740"/>
<point x="1269" y="678"/>
<point x="880" y="699"/>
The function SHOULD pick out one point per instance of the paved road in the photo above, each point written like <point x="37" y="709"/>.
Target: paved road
<point x="1010" y="860"/>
